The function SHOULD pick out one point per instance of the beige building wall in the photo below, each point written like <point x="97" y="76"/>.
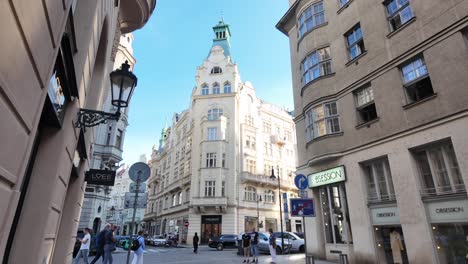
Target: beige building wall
<point x="42" y="162"/>
<point x="437" y="32"/>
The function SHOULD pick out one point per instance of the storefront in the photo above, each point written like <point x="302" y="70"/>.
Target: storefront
<point x="388" y="235"/>
<point x="250" y="223"/>
<point x="271" y="223"/>
<point x="336" y="224"/>
<point x="211" y="227"/>
<point x="449" y="224"/>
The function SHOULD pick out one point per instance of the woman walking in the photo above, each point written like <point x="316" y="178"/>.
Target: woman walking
<point x="272" y="246"/>
<point x="195" y="243"/>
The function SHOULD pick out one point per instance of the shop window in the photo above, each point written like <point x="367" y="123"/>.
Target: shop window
<point x="336" y="224"/>
<point x="451" y="242"/>
<point x="391" y="244"/>
<point x="365" y="105"/>
<point x="379" y="181"/>
<point x="416" y="80"/>
<point x="439" y="170"/>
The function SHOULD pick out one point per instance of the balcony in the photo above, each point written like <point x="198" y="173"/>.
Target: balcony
<point x="112" y="152"/>
<point x="134" y="14"/>
<point x="201" y="203"/>
<point x="265" y="181"/>
<point x="442" y="192"/>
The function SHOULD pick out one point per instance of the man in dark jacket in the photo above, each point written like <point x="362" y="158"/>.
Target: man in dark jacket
<point x="100" y="244"/>
<point x="195" y="243"/>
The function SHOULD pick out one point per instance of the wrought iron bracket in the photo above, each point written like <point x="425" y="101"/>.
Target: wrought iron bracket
<point x="92" y="118"/>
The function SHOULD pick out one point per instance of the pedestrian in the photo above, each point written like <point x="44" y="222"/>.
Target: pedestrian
<point x="138" y="254"/>
<point x="254" y="245"/>
<point x="109" y="245"/>
<point x="100" y="243"/>
<point x="246" y="246"/>
<point x="272" y="246"/>
<point x="84" y="248"/>
<point x="195" y="243"/>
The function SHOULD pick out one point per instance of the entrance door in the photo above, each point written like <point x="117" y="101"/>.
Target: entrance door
<point x="211" y="227"/>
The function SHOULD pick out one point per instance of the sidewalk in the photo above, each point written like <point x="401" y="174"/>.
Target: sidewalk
<point x="297" y="259"/>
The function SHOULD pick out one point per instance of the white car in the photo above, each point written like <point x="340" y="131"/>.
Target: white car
<point x="297" y="242"/>
<point x="159" y="241"/>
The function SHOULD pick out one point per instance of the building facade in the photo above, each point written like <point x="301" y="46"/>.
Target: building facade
<point x="215" y="160"/>
<point x="56" y="58"/>
<point x="107" y="148"/>
<point x="380" y="90"/>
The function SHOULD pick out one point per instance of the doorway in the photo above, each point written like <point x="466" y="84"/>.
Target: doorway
<point x="96" y="225"/>
<point x="211" y="227"/>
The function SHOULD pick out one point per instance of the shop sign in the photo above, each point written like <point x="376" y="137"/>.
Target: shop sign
<point x="385" y="216"/>
<point x="327" y="177"/>
<point x="211" y="219"/>
<point x="100" y="177"/>
<point x="447" y="211"/>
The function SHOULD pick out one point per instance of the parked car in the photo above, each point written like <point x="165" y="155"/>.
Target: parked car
<point x="159" y="241"/>
<point x="299" y="234"/>
<point x="264" y="244"/>
<point x="297" y="243"/>
<point x="223" y="241"/>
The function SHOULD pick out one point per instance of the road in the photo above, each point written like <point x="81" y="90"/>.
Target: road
<point x="205" y="255"/>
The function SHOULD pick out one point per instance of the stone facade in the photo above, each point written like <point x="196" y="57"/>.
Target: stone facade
<point x="56" y="58"/>
<point x="216" y="158"/>
<point x="380" y="88"/>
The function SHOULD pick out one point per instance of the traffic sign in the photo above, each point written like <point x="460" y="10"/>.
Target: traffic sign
<point x="301" y="182"/>
<point x="130" y="200"/>
<point x="302" y="193"/>
<point x="139" y="171"/>
<point x="302" y="207"/>
<point x="141" y="189"/>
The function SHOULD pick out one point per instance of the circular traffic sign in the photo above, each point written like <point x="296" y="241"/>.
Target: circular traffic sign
<point x="139" y="171"/>
<point x="301" y="182"/>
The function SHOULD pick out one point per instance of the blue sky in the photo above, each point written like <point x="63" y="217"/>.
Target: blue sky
<point x="178" y="38"/>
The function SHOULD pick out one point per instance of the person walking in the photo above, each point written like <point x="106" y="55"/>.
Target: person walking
<point x="195" y="243"/>
<point x="138" y="254"/>
<point x="109" y="245"/>
<point x="246" y="246"/>
<point x="272" y="246"/>
<point x="84" y="248"/>
<point x="254" y="245"/>
<point x="100" y="241"/>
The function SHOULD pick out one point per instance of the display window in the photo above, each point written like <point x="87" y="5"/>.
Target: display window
<point x="336" y="223"/>
<point x="451" y="241"/>
<point x="391" y="245"/>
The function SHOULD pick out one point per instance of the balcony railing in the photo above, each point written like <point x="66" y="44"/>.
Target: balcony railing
<point x="286" y="182"/>
<point x="375" y="199"/>
<point x="209" y="201"/>
<point x="451" y="190"/>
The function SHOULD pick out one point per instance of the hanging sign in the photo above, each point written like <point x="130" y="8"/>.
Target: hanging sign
<point x="100" y="177"/>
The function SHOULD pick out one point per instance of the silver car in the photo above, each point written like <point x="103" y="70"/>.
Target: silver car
<point x="264" y="243"/>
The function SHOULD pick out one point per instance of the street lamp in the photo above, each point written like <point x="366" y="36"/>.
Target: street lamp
<point x="281" y="209"/>
<point x="123" y="82"/>
<point x="259" y="200"/>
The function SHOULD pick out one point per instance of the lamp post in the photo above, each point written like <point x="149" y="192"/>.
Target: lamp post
<point x="280" y="208"/>
<point x="259" y="200"/>
<point x="123" y="82"/>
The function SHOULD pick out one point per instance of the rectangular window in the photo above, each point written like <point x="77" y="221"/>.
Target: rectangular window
<point x="399" y="12"/>
<point x="288" y="135"/>
<point x="343" y="2"/>
<point x="249" y="120"/>
<point x="210" y="160"/>
<point x="365" y="104"/>
<point x="223" y="162"/>
<point x="267" y="169"/>
<point x="212" y="133"/>
<point x="118" y="139"/>
<point x="223" y="188"/>
<point x="335" y="214"/>
<point x="379" y="181"/>
<point x="355" y="42"/>
<point x="250" y="142"/>
<point x="322" y="120"/>
<point x="266" y="127"/>
<point x="315" y="65"/>
<point x="310" y="18"/>
<point x="205" y="90"/>
<point x="267" y="149"/>
<point x="439" y="170"/>
<point x="416" y="79"/>
<point x="108" y="139"/>
<point x="210" y="188"/>
<point x="251" y="166"/>
<point x="216" y="89"/>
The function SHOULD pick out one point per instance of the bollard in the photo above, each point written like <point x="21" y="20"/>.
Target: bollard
<point x="344" y="259"/>
<point x="310" y="259"/>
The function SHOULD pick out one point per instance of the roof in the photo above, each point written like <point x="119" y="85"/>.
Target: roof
<point x="281" y="25"/>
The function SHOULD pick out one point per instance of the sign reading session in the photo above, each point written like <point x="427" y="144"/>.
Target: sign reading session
<point x="327" y="177"/>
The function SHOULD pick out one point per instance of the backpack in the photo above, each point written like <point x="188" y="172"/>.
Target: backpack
<point x="135" y="244"/>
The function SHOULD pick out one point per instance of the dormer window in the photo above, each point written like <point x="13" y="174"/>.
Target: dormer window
<point x="216" y="70"/>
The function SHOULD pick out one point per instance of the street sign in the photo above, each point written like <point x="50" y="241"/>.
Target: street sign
<point x="301" y="182"/>
<point x="141" y="189"/>
<point x="302" y="207"/>
<point x="139" y="171"/>
<point x="302" y="193"/>
<point x="130" y="200"/>
<point x="100" y="177"/>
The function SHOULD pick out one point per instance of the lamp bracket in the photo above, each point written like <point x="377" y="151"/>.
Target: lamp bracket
<point x="91" y="118"/>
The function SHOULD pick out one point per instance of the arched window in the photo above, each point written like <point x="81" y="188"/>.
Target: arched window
<point x="269" y="196"/>
<point x="216" y="89"/>
<point x="250" y="193"/>
<point x="215" y="113"/>
<point x="227" y="87"/>
<point x="205" y="90"/>
<point x="216" y="70"/>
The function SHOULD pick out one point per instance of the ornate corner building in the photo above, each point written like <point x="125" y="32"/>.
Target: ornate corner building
<point x="380" y="92"/>
<point x="56" y="57"/>
<point x="215" y="160"/>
